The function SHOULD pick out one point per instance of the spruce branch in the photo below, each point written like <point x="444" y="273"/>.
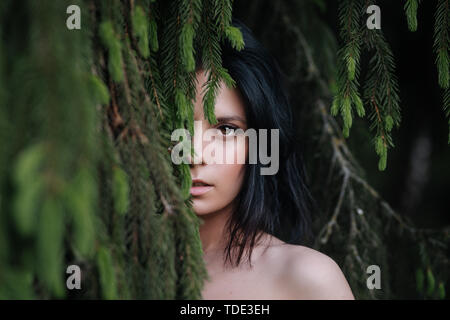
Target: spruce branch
<point x="441" y="42"/>
<point x="350" y="12"/>
<point x="441" y="48"/>
<point x="411" y="7"/>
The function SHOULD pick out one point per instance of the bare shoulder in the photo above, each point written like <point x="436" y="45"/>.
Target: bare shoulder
<point x="311" y="274"/>
<point x="306" y="273"/>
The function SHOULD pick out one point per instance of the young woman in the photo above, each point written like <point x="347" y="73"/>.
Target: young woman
<point x="245" y="213"/>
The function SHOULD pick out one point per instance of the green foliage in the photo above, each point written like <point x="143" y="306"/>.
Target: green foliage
<point x="411" y="13"/>
<point x="107" y="274"/>
<point x="441" y="290"/>
<point x="153" y="33"/>
<point x="49" y="246"/>
<point x="120" y="190"/>
<point x="186" y="43"/>
<point x="182" y="104"/>
<point x="140" y="28"/>
<point x="235" y="36"/>
<point x="348" y="68"/>
<point x="440" y="45"/>
<point x="441" y="42"/>
<point x="217" y="15"/>
<point x="99" y="90"/>
<point x="446" y="98"/>
<point x="187" y="181"/>
<point x="30" y="188"/>
<point x="52" y="150"/>
<point x="429" y="280"/>
<point x="80" y="197"/>
<point x="113" y="45"/>
<point x="426" y="285"/>
<point x="16" y="284"/>
<point x="380" y="88"/>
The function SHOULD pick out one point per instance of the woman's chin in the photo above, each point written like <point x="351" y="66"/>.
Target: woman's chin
<point x="200" y="209"/>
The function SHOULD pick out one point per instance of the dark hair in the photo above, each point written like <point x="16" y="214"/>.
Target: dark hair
<point x="276" y="204"/>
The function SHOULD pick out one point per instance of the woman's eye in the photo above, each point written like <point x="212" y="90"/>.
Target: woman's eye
<point x="227" y="130"/>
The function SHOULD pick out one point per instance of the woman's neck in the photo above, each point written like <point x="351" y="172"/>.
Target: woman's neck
<point x="213" y="233"/>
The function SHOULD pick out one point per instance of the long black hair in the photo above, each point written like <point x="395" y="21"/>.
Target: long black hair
<point x="277" y="204"/>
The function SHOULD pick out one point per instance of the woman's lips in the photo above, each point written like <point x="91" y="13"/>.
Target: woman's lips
<point x="200" y="187"/>
<point x="199" y="190"/>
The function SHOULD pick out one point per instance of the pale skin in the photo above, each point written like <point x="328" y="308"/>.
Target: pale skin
<point x="279" y="270"/>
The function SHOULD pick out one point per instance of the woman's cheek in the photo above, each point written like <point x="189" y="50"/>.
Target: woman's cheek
<point x="228" y="178"/>
<point x="234" y="150"/>
<point x="232" y="180"/>
<point x="236" y="153"/>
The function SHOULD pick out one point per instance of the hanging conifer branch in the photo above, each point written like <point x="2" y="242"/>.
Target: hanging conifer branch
<point x="446" y="99"/>
<point x="440" y="45"/>
<point x="380" y="87"/>
<point x="214" y="16"/>
<point x="441" y="42"/>
<point x="411" y="7"/>
<point x="381" y="93"/>
<point x="58" y="151"/>
<point x="161" y="178"/>
<point x="347" y="82"/>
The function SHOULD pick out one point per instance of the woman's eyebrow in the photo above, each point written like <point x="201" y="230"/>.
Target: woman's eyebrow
<point x="229" y="118"/>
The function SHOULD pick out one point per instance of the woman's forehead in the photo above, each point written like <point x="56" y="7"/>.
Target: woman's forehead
<point x="228" y="102"/>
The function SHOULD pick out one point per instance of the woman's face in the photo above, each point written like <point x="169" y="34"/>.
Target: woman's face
<point x="225" y="179"/>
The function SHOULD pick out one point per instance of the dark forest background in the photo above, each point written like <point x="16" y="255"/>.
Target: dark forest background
<point x="416" y="181"/>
